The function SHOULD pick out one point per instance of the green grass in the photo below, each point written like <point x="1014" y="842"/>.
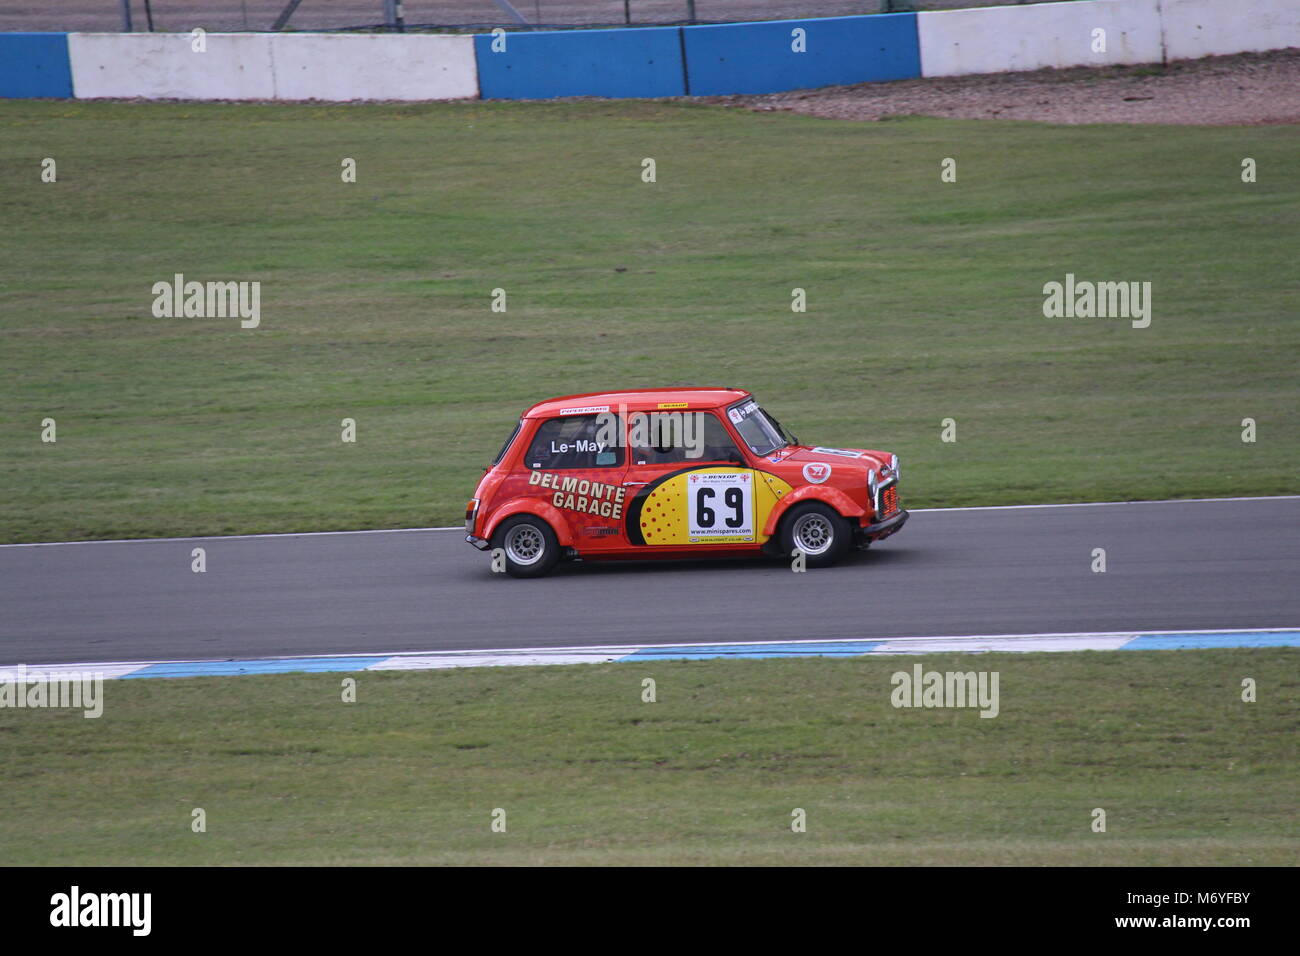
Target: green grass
<point x="924" y="301"/>
<point x="710" y="773"/>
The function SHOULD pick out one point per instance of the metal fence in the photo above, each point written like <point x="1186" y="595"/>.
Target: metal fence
<point x="325" y="15"/>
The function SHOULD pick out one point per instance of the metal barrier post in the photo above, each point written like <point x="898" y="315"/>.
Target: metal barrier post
<point x="393" y="17"/>
<point x="283" y="19"/>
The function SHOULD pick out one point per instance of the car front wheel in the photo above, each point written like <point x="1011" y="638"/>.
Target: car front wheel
<point x="527" y="544"/>
<point x="817" y="531"/>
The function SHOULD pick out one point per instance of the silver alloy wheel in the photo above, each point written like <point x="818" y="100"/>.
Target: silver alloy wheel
<point x="813" y="534"/>
<point x="525" y="544"/>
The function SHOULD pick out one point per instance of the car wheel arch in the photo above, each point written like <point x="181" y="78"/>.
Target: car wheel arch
<point x="538" y="509"/>
<point x="834" y="498"/>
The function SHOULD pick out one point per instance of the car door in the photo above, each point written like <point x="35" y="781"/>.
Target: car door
<point x="691" y="485"/>
<point x="575" y="464"/>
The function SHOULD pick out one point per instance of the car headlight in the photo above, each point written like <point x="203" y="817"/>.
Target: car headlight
<point x="893" y="465"/>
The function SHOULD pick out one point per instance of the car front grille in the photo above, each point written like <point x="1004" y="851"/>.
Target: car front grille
<point x="888" y="500"/>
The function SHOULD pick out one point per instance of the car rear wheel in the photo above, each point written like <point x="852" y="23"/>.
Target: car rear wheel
<point x="528" y="545"/>
<point x="818" y="531"/>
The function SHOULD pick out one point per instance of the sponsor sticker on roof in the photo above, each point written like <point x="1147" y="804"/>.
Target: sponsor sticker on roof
<point x="584" y="410"/>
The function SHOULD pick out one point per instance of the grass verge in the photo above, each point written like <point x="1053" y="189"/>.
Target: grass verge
<point x="924" y="301"/>
<point x="710" y="773"/>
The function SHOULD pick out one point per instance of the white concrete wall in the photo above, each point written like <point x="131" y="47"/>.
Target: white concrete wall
<point x="1196" y="28"/>
<point x="236" y="66"/>
<point x="261" y="66"/>
<point x="1031" y="37"/>
<point x="327" y="66"/>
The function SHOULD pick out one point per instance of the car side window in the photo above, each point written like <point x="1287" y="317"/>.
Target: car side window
<point x="710" y="438"/>
<point x="509" y="441"/>
<point x="574" y="441"/>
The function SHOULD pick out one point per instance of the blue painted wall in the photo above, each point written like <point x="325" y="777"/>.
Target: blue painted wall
<point x="34" y="64"/>
<point x="614" y="63"/>
<point x="637" y="62"/>
<point x="757" y="57"/>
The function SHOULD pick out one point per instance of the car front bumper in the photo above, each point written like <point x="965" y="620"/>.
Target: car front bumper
<point x="879" y="530"/>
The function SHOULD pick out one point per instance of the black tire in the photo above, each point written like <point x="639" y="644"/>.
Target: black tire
<point x="818" y="531"/>
<point x="528" y="545"/>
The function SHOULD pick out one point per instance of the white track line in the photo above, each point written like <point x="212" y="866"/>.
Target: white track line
<point x="231" y="537"/>
<point x="318" y="534"/>
<point x="1099" y="504"/>
<point x="628" y="648"/>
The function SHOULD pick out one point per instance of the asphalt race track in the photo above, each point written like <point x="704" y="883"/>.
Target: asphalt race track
<point x="1178" y="565"/>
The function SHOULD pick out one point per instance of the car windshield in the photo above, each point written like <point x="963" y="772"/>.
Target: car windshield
<point x="759" y="430"/>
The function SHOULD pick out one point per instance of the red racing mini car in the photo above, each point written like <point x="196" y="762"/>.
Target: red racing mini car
<point x="674" y="473"/>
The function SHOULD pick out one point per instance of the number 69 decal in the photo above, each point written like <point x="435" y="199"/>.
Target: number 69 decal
<point x="720" y="507"/>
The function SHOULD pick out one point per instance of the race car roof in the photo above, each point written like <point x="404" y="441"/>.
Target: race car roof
<point x="636" y="400"/>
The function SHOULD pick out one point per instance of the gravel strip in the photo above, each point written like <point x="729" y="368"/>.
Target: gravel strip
<point x="1245" y="89"/>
